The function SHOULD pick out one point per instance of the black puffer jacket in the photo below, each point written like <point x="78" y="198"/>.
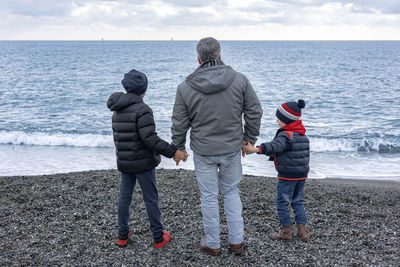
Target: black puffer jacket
<point x="290" y="151"/>
<point x="137" y="144"/>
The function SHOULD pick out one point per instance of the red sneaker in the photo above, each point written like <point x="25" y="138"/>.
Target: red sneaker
<point x="167" y="237"/>
<point x="123" y="241"/>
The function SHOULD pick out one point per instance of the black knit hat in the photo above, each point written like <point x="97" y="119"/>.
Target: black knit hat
<point x="135" y="82"/>
<point x="291" y="111"/>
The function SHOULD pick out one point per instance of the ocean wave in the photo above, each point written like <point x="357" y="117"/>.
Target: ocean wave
<point x="317" y="144"/>
<point x="371" y="145"/>
<point x="331" y="145"/>
<point x="55" y="139"/>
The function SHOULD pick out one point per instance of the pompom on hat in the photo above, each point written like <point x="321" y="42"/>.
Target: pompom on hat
<point x="291" y="111"/>
<point x="135" y="82"/>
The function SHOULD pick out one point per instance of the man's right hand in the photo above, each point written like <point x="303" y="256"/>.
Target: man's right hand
<point x="244" y="144"/>
<point x="180" y="155"/>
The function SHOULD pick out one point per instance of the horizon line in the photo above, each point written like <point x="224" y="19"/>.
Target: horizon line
<point x="190" y="40"/>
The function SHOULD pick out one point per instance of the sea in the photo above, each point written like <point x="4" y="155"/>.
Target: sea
<point x="54" y="118"/>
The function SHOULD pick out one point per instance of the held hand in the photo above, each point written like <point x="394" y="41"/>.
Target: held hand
<point x="249" y="149"/>
<point x="177" y="160"/>
<point x="186" y="155"/>
<point x="177" y="157"/>
<point x="249" y="145"/>
<point x="180" y="155"/>
<point x="244" y="143"/>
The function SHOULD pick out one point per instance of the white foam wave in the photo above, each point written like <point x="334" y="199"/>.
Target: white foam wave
<point x="55" y="139"/>
<point x="96" y="140"/>
<point x="372" y="145"/>
<point x="332" y="145"/>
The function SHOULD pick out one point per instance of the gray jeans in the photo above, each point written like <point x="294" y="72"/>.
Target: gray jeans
<point x="227" y="170"/>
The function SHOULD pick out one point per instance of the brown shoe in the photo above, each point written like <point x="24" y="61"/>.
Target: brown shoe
<point x="211" y="251"/>
<point x="284" y="234"/>
<point x="302" y="232"/>
<point x="237" y="249"/>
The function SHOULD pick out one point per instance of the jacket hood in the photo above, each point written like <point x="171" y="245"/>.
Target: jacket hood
<point x="119" y="100"/>
<point x="211" y="80"/>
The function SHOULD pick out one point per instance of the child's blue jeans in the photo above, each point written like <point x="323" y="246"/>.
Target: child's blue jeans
<point x="290" y="192"/>
<point x="147" y="182"/>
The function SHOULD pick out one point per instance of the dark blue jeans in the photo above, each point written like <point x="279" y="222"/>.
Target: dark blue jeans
<point x="147" y="182"/>
<point x="290" y="192"/>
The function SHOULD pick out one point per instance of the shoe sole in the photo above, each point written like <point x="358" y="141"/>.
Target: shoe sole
<point x="161" y="245"/>
<point x="125" y="240"/>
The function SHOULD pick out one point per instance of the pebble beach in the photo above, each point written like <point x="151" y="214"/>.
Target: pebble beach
<point x="71" y="220"/>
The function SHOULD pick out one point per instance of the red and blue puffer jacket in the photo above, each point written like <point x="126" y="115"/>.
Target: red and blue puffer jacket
<point x="290" y="151"/>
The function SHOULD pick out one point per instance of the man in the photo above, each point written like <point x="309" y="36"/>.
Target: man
<point x="211" y="101"/>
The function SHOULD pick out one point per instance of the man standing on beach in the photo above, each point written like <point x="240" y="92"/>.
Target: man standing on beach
<point x="211" y="102"/>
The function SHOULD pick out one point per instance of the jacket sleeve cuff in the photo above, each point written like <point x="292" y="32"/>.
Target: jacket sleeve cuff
<point x="172" y="151"/>
<point x="180" y="146"/>
<point x="249" y="139"/>
<point x="263" y="149"/>
<point x="259" y="150"/>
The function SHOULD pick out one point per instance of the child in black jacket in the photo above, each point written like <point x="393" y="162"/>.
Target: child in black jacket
<point x="290" y="152"/>
<point x="138" y="147"/>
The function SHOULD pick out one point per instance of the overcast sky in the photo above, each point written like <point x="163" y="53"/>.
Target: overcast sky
<point x="191" y="20"/>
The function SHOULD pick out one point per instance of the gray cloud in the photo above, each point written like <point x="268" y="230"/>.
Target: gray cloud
<point x="362" y="6"/>
<point x="35" y="8"/>
<point x="53" y="8"/>
<point x="185" y="18"/>
<point x="63" y="8"/>
<point x="194" y="3"/>
<point x="21" y="14"/>
<point x="286" y="13"/>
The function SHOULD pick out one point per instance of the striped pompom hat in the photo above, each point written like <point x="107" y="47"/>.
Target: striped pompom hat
<point x="291" y="111"/>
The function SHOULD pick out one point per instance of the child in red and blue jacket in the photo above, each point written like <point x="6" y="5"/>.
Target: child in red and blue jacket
<point x="290" y="151"/>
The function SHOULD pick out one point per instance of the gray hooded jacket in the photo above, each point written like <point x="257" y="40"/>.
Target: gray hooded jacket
<point x="212" y="101"/>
